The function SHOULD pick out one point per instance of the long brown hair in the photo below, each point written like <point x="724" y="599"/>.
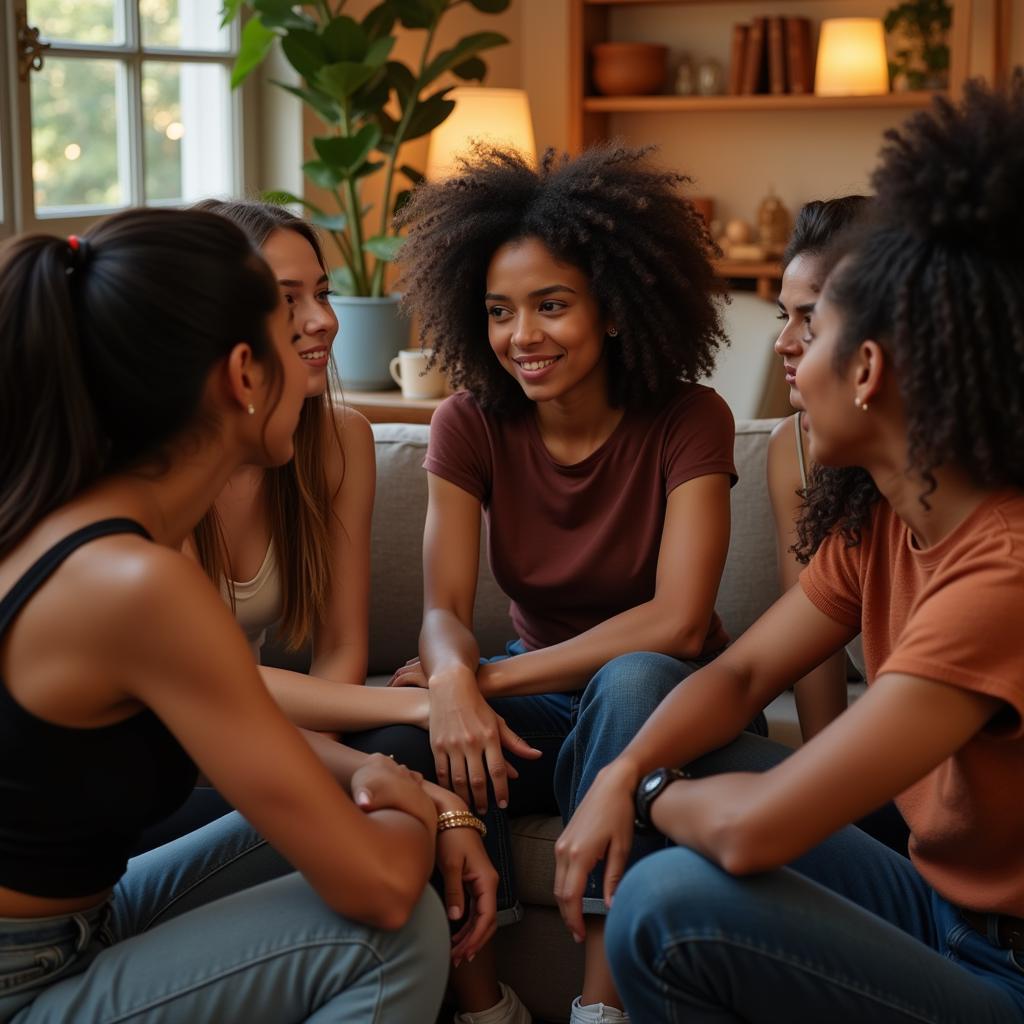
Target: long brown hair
<point x="106" y="344"/>
<point x="297" y="495"/>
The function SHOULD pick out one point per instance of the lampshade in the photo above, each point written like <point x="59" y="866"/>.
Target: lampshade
<point x="851" y="58"/>
<point x="500" y="116"/>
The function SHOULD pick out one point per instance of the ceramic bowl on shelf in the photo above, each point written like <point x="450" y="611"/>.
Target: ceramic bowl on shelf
<point x="629" y="69"/>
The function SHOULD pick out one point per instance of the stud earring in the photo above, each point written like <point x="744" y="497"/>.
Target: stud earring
<point x="863" y="406"/>
<point x="251" y="409"/>
<point x="613" y="332"/>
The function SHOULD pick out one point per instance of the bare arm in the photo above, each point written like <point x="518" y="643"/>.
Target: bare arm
<point x="694" y="545"/>
<point x="320" y="704"/>
<point x="465" y="734"/>
<point x="893" y="736"/>
<point x="708" y="712"/>
<point x="821" y="693"/>
<point x="340" y="641"/>
<point x="209" y="694"/>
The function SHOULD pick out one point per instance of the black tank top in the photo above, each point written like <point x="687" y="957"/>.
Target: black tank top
<point x="74" y="801"/>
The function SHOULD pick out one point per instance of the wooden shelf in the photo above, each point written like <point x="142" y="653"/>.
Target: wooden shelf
<point x="767" y="274"/>
<point x="723" y="104"/>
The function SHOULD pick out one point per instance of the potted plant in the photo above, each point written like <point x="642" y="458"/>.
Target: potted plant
<point x="922" y="59"/>
<point x="370" y="105"/>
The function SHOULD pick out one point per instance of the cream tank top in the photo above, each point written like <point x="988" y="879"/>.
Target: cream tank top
<point x="258" y="602"/>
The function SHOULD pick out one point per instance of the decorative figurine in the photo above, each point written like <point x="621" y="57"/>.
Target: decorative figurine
<point x="774" y="224"/>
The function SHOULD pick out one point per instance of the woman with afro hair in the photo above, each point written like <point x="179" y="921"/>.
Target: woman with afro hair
<point x="768" y="908"/>
<point x="575" y="306"/>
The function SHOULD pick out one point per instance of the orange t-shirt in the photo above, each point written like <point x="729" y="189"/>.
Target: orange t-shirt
<point x="953" y="613"/>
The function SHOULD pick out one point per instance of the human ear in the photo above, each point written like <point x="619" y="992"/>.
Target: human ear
<point x="869" y="366"/>
<point x="243" y="376"/>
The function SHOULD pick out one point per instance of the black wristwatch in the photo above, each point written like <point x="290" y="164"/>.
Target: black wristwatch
<point x="650" y="788"/>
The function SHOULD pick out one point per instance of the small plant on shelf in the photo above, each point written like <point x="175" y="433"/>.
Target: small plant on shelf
<point x="922" y="59"/>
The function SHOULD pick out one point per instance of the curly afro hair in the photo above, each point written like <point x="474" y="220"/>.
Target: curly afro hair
<point x="610" y="213"/>
<point x="937" y="278"/>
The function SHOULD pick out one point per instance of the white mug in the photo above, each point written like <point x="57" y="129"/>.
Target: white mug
<point x="410" y="373"/>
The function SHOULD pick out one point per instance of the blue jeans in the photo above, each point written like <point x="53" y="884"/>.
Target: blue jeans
<point x="217" y="927"/>
<point x="578" y="733"/>
<point x="848" y="933"/>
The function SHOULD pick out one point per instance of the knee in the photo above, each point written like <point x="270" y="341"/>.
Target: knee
<point x="634" y="684"/>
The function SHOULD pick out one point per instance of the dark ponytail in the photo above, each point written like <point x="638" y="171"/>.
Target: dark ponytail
<point x="106" y="347"/>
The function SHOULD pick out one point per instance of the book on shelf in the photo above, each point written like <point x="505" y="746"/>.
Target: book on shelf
<point x="755" y="64"/>
<point x="776" y="56"/>
<point x="799" y="63"/>
<point x="737" y="58"/>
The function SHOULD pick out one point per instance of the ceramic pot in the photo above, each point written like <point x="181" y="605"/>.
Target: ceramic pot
<point x="629" y="69"/>
<point x="371" y="332"/>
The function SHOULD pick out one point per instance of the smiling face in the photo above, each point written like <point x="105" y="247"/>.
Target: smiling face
<point x="305" y="290"/>
<point x="801" y="288"/>
<point x="283" y="392"/>
<point x="544" y="325"/>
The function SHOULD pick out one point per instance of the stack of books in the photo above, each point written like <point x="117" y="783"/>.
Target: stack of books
<point x="771" y="55"/>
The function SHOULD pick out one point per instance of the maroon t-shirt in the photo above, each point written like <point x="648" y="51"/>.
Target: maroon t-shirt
<point x="575" y="545"/>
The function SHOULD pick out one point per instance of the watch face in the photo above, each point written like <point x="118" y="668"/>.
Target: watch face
<point x="652" y="784"/>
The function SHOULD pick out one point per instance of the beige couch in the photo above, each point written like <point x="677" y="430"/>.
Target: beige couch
<point x="538" y="958"/>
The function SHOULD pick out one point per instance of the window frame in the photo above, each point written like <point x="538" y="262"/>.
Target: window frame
<point x="18" y="213"/>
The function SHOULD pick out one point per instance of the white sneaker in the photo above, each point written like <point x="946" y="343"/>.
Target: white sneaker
<point x="508" y="1010"/>
<point x="596" y="1013"/>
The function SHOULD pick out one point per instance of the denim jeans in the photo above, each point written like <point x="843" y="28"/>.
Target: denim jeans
<point x="217" y="927"/>
<point x="578" y="732"/>
<point x="848" y="933"/>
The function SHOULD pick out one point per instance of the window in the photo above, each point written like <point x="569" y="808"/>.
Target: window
<point x="132" y="105"/>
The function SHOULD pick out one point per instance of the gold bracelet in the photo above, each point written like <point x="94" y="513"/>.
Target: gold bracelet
<point x="460" y="819"/>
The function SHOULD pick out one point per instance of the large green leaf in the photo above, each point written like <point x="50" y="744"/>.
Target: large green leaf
<point x="412" y="174"/>
<point x="319" y="101"/>
<point x="345" y="40"/>
<point x="490" y="6"/>
<point x="370" y="167"/>
<point x="379" y="50"/>
<point x="305" y="52"/>
<point x="429" y="114"/>
<point x="472" y="70"/>
<point x="413" y="13"/>
<point x="257" y="40"/>
<point x="330" y="221"/>
<point x="342" y="79"/>
<point x="379" y="22"/>
<point x="229" y="11"/>
<point x="465" y="48"/>
<point x="368" y="99"/>
<point x="322" y="174"/>
<point x="342" y="281"/>
<point x="279" y="197"/>
<point x="346" y="154"/>
<point x="402" y="80"/>
<point x="384" y="247"/>
<point x="280" y="14"/>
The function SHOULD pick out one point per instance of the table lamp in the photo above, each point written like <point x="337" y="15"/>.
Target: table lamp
<point x="851" y="58"/>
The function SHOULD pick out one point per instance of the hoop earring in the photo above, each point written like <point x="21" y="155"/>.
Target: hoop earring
<point x="251" y="409"/>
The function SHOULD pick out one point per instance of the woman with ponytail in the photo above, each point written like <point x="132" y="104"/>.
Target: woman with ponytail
<point x="141" y="366"/>
<point x="770" y="908"/>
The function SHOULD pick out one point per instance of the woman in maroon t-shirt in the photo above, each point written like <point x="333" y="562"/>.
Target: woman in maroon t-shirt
<point x="576" y="305"/>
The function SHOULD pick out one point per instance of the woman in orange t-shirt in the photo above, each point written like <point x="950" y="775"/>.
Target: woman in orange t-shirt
<point x="769" y="909"/>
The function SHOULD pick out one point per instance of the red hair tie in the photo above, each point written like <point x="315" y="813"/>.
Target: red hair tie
<point x="74" y="242"/>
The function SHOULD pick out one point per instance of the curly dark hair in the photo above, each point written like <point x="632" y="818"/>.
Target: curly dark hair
<point x="609" y="212"/>
<point x="937" y="277"/>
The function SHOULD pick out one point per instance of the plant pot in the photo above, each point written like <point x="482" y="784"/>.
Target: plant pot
<point x="629" y="69"/>
<point x="371" y="332"/>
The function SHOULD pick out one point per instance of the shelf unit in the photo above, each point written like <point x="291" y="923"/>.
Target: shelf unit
<point x="591" y="21"/>
<point x="589" y="24"/>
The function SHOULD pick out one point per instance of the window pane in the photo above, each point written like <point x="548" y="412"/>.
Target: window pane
<point x="79" y="157"/>
<point x="79" y="21"/>
<point x="183" y="24"/>
<point x="188" y="138"/>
